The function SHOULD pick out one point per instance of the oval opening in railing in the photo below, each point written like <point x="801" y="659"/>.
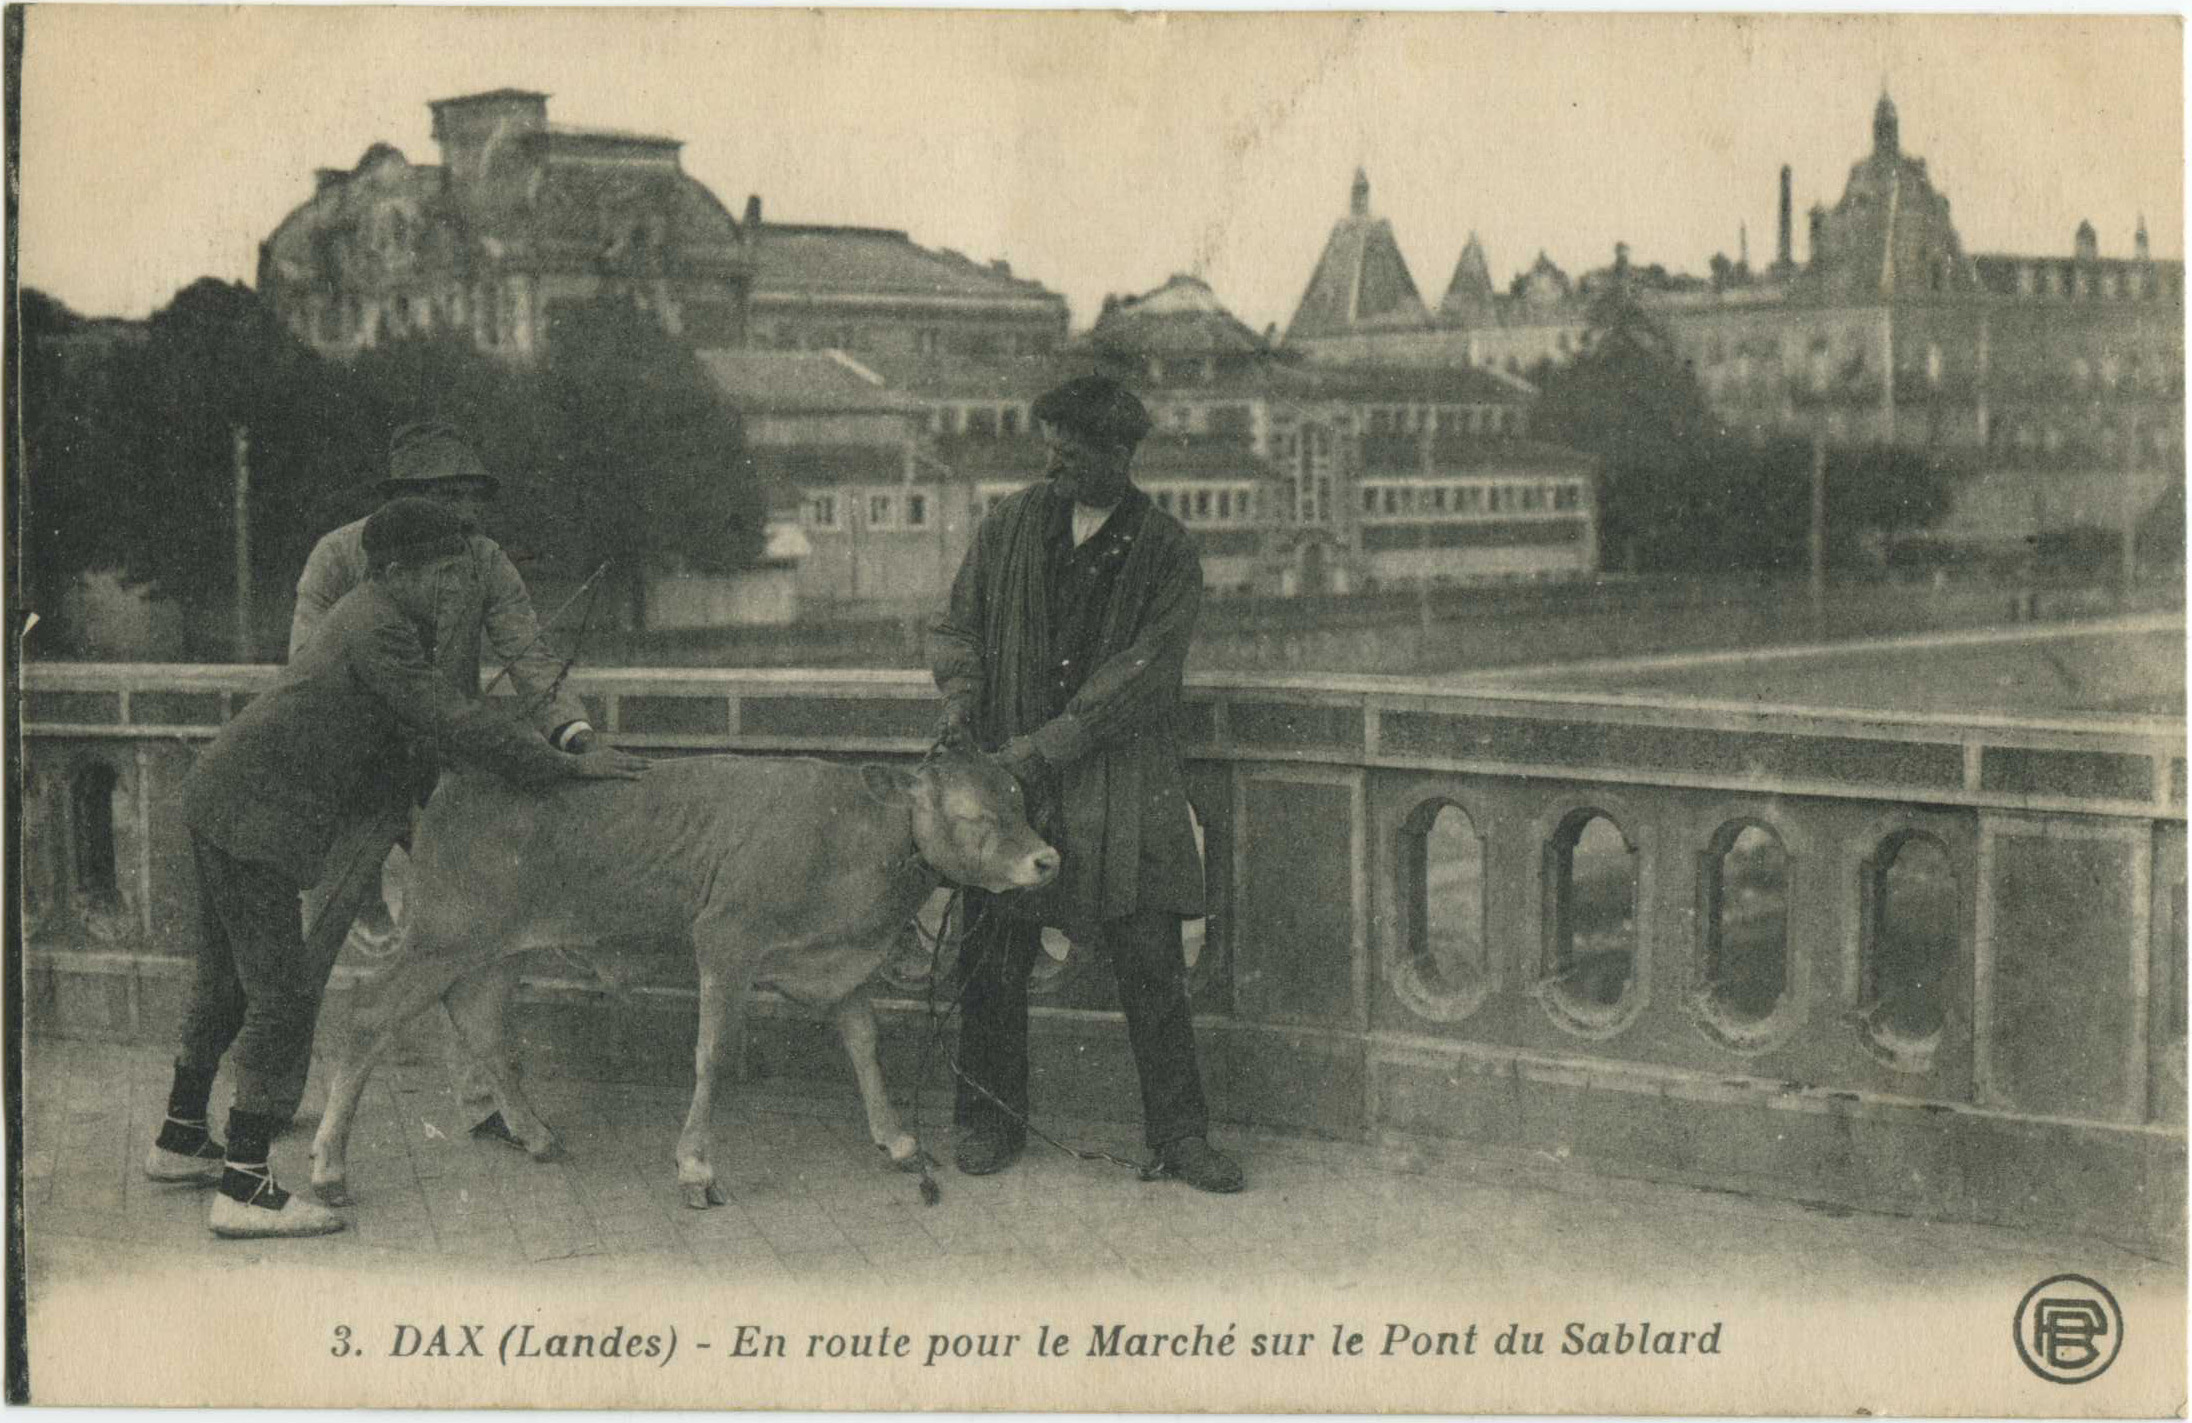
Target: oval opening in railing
<point x="1909" y="949"/>
<point x="1745" y="920"/>
<point x="1591" y="949"/>
<point x="1446" y="971"/>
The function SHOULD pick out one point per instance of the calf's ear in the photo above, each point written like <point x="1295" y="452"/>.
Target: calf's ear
<point x="892" y="785"/>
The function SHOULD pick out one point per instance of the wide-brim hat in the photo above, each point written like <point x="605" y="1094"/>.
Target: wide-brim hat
<point x="428" y="453"/>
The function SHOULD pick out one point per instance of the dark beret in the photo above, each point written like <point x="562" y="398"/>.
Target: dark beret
<point x="412" y="531"/>
<point x="1096" y="406"/>
<point x="431" y="452"/>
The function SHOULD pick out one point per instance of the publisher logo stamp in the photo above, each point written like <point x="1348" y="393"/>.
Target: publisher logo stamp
<point x="2069" y="1329"/>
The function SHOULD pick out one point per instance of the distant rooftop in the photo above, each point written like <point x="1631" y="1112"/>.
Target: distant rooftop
<point x="800" y="382"/>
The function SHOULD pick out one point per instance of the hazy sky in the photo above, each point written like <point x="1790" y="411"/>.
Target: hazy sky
<point x="1102" y="153"/>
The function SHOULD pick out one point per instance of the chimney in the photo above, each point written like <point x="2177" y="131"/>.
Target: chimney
<point x="1743" y="246"/>
<point x="2139" y="248"/>
<point x="470" y="128"/>
<point x="1358" y="197"/>
<point x="1818" y="233"/>
<point x="1784" y="246"/>
<point x="753" y="210"/>
<point x="2088" y="243"/>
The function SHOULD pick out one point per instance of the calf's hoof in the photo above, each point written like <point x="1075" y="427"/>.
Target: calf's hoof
<point x="907" y="1155"/>
<point x="332" y="1193"/>
<point x="494" y="1128"/>
<point x="700" y="1196"/>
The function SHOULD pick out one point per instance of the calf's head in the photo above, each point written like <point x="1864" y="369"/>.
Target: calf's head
<point x="969" y="820"/>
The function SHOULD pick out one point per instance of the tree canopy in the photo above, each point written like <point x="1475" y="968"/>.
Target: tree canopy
<point x="615" y="447"/>
<point x="1680" y="492"/>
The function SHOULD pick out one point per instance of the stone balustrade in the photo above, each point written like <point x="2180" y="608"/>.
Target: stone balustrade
<point x="1931" y="965"/>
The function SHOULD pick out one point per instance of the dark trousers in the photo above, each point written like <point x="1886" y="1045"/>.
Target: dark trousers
<point x="1144" y="950"/>
<point x="256" y="990"/>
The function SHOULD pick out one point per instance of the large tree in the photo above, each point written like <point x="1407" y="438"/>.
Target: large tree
<point x="132" y="440"/>
<point x="634" y="460"/>
<point x="1629" y="399"/>
<point x="1679" y="492"/>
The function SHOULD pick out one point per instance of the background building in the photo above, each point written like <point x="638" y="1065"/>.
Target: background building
<point x="2059" y="379"/>
<point x="519" y="215"/>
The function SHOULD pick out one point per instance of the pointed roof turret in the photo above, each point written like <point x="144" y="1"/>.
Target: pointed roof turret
<point x="1470" y="299"/>
<point x="1361" y="283"/>
<point x="1886" y="127"/>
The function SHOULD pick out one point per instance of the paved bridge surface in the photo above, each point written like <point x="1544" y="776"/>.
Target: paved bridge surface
<point x="808" y="1202"/>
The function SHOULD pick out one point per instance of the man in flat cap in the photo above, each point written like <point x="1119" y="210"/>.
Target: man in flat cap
<point x="266" y="803"/>
<point x="430" y="459"/>
<point x="1062" y="650"/>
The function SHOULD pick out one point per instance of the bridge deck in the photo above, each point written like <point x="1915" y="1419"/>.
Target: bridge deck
<point x="809" y="1202"/>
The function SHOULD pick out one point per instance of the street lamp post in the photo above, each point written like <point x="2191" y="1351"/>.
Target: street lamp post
<point x="1818" y="540"/>
<point x="241" y="443"/>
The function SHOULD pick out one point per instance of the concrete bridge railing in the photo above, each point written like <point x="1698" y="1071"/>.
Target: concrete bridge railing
<point x="1919" y="964"/>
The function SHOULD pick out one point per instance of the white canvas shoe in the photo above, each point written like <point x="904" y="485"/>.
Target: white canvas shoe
<point x="198" y="1168"/>
<point x="270" y="1213"/>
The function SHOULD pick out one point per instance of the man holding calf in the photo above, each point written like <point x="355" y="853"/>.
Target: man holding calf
<point x="264" y="804"/>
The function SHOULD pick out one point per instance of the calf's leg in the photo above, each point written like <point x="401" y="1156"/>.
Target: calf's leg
<point x="855" y="1019"/>
<point x="478" y="1005"/>
<point x="411" y="983"/>
<point x="722" y="1025"/>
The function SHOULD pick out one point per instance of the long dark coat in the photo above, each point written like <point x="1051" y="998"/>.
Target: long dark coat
<point x="1123" y="825"/>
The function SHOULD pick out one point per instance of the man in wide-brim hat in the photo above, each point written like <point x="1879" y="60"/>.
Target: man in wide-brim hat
<point x="432" y="460"/>
<point x="1063" y="649"/>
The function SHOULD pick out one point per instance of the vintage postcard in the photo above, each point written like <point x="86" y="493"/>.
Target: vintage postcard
<point x="948" y="710"/>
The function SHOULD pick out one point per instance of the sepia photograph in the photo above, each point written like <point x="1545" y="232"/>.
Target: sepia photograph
<point x="1422" y="712"/>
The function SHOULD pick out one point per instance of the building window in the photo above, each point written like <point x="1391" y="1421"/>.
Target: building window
<point x="1438" y="499"/>
<point x="927" y="342"/>
<point x="822" y="511"/>
<point x="1471" y="500"/>
<point x="917" y="511"/>
<point x="1369" y="500"/>
<point x="882" y="511"/>
<point x="982" y="420"/>
<point x="1009" y="419"/>
<point x="1202" y="504"/>
<point x="1568" y="496"/>
<point x="1229" y="420"/>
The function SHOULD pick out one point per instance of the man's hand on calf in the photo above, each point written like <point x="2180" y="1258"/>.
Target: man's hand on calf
<point x="607" y="764"/>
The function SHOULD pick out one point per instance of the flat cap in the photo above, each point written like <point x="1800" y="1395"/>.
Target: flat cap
<point x="1096" y="406"/>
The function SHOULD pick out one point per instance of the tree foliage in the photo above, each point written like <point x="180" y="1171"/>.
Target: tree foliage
<point x="1680" y="492"/>
<point x="640" y="462"/>
<point x="616" y="447"/>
